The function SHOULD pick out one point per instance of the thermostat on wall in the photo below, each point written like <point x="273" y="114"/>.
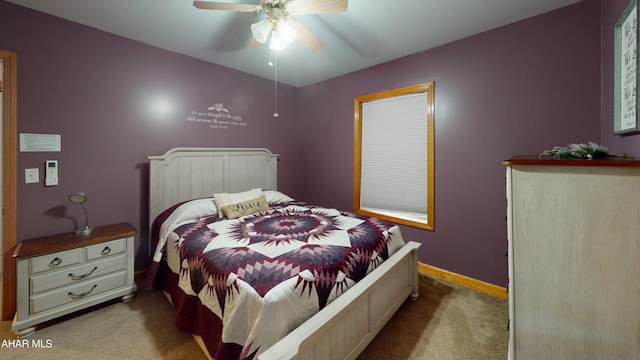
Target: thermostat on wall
<point x="51" y="173"/>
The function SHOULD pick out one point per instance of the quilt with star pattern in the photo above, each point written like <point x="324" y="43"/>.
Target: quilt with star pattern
<point x="243" y="284"/>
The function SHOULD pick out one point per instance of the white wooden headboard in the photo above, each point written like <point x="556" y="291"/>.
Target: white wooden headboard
<point x="190" y="173"/>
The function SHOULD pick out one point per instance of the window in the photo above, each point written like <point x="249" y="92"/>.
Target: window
<point x="393" y="155"/>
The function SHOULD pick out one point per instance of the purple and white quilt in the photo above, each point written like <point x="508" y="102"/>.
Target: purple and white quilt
<point x="243" y="284"/>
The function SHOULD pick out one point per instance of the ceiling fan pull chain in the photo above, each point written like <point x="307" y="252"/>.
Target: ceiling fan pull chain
<point x="275" y="114"/>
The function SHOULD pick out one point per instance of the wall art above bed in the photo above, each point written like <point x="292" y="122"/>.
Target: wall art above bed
<point x="216" y="117"/>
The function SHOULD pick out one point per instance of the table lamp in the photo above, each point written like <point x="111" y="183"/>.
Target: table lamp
<point x="80" y="198"/>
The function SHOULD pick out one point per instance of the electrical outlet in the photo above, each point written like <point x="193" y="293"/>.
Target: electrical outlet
<point x="31" y="176"/>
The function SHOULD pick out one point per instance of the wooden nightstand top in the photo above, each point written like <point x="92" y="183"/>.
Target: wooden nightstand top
<point x="53" y="243"/>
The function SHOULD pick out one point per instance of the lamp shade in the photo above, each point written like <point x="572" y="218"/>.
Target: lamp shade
<point x="282" y="35"/>
<point x="78" y="198"/>
<point x="261" y="30"/>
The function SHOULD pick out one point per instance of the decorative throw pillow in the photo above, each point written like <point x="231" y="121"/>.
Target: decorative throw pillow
<point x="244" y="208"/>
<point x="224" y="199"/>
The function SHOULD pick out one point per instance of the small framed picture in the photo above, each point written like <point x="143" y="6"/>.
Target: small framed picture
<point x="626" y="70"/>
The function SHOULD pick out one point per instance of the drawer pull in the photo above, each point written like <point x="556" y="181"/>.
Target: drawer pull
<point x="76" y="277"/>
<point x="106" y="250"/>
<point x="80" y="296"/>
<point x="55" y="262"/>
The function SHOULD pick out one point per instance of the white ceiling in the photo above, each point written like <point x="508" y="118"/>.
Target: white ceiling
<point x="370" y="32"/>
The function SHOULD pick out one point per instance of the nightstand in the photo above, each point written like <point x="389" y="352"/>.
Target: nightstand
<point x="60" y="274"/>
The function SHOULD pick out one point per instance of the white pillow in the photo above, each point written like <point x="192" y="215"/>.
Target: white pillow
<point x="225" y="199"/>
<point x="189" y="211"/>
<point x="276" y="196"/>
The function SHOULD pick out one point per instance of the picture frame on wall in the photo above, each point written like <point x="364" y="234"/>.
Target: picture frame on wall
<point x="626" y="71"/>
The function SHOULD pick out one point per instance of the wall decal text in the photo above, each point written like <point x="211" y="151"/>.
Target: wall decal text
<point x="217" y="117"/>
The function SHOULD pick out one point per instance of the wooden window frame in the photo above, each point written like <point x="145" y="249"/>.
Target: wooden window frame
<point x="423" y="222"/>
<point x="9" y="181"/>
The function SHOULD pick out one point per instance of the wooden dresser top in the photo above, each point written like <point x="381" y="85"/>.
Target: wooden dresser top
<point x="54" y="243"/>
<point x="552" y="161"/>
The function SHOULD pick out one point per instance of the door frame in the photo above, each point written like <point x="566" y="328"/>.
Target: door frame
<point x="9" y="175"/>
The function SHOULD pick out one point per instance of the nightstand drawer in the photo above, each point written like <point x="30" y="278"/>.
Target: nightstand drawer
<point x="83" y="290"/>
<point x="76" y="274"/>
<point x="107" y="248"/>
<point x="54" y="261"/>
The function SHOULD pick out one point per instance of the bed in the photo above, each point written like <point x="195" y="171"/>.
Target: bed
<point x="296" y="310"/>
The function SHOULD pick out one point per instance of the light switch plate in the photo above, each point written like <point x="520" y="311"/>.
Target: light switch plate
<point x="31" y="176"/>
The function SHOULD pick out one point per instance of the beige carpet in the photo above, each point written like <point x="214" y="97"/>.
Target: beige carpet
<point x="141" y="329"/>
<point x="447" y="322"/>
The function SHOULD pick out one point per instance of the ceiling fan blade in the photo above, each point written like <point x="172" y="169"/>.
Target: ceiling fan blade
<point x="254" y="43"/>
<point x="211" y="5"/>
<point x="301" y="7"/>
<point x="306" y="36"/>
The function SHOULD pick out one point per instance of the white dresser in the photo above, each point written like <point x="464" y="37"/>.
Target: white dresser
<point x="60" y="274"/>
<point x="574" y="259"/>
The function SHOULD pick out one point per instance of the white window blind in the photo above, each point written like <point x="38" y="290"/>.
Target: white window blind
<point x="394" y="154"/>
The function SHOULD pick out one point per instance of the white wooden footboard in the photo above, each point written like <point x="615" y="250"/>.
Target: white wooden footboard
<point x="344" y="328"/>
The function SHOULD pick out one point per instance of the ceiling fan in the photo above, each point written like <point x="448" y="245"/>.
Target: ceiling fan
<point x="280" y="22"/>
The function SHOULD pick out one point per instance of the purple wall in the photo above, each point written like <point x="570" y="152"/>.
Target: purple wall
<point x="97" y="90"/>
<point x="515" y="90"/>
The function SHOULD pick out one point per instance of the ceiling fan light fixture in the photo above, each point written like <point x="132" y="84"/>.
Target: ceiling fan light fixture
<point x="287" y="31"/>
<point x="282" y="35"/>
<point x="261" y="30"/>
<point x="277" y="42"/>
<point x="280" y="11"/>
